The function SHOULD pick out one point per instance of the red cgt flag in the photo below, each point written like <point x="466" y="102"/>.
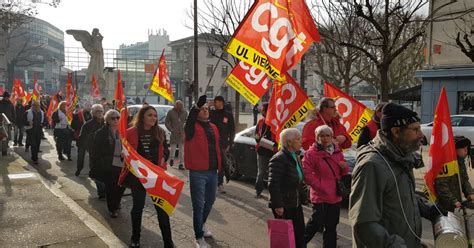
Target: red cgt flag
<point x="71" y="98"/>
<point x="442" y="154"/>
<point x="274" y="35"/>
<point x="249" y="81"/>
<point x="95" y="88"/>
<point x="119" y="95"/>
<point x="288" y="105"/>
<point x="160" y="82"/>
<point x="36" y="90"/>
<point x="354" y="115"/>
<point x="163" y="188"/>
<point x="53" y="104"/>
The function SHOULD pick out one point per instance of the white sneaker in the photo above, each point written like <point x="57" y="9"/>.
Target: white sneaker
<point x="201" y="243"/>
<point x="207" y="233"/>
<point x="221" y="189"/>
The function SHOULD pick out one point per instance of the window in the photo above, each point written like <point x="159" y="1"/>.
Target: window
<point x="224" y="71"/>
<point x="210" y="91"/>
<point x="178" y="53"/>
<point x="455" y="120"/>
<point x="209" y="53"/>
<point x="468" y="122"/>
<point x="466" y="102"/>
<point x="294" y="74"/>
<point x="209" y="70"/>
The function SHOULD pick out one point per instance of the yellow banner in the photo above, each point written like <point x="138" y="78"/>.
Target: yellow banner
<point x="163" y="92"/>
<point x="449" y="169"/>
<point x="162" y="203"/>
<point x="240" y="87"/>
<point x="253" y="57"/>
<point x="363" y="120"/>
<point x="300" y="114"/>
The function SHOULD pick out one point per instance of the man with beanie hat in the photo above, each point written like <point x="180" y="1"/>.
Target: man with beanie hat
<point x="384" y="209"/>
<point x="203" y="159"/>
<point x="449" y="195"/>
<point x="226" y="126"/>
<point x="370" y="130"/>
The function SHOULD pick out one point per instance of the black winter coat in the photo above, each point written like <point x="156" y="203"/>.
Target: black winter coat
<point x="102" y="154"/>
<point x="225" y="124"/>
<point x="285" y="186"/>
<point x="19" y="115"/>
<point x="86" y="136"/>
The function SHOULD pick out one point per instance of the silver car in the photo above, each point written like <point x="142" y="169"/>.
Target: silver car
<point x="463" y="125"/>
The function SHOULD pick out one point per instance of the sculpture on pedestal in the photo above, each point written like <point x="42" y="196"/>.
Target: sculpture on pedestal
<point x="92" y="43"/>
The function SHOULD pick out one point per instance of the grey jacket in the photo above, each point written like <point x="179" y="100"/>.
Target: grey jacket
<point x="174" y="122"/>
<point x="375" y="205"/>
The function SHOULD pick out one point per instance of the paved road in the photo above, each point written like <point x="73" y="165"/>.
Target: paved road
<point x="237" y="219"/>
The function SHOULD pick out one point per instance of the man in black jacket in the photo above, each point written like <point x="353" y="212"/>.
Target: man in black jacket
<point x="19" y="122"/>
<point x="226" y="126"/>
<point x="86" y="134"/>
<point x="7" y="108"/>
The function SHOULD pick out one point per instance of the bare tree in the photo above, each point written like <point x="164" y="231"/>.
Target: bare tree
<point x="15" y="16"/>
<point x="341" y="65"/>
<point x="465" y="35"/>
<point x="388" y="29"/>
<point x="218" y="19"/>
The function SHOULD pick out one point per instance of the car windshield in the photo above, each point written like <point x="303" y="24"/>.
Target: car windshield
<point x="162" y="112"/>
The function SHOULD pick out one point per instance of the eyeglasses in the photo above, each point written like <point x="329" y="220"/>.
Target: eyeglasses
<point x="115" y="118"/>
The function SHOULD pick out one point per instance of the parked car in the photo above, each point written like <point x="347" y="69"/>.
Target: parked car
<point x="243" y="157"/>
<point x="162" y="111"/>
<point x="462" y="125"/>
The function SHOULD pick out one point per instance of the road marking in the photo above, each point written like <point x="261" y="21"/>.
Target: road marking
<point x="21" y="175"/>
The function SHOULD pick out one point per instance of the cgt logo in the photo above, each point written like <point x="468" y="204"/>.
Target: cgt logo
<point x="344" y="108"/>
<point x="255" y="76"/>
<point x="280" y="33"/>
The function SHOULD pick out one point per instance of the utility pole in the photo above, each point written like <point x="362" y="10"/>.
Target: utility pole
<point x="196" y="61"/>
<point x="303" y="72"/>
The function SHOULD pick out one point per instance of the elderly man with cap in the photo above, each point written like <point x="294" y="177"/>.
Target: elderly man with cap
<point x="384" y="210"/>
<point x="225" y="124"/>
<point x="175" y="119"/>
<point x="370" y="130"/>
<point x="6" y="108"/>
<point x="326" y="115"/>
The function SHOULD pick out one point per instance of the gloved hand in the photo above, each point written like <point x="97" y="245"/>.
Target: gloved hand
<point x="202" y="100"/>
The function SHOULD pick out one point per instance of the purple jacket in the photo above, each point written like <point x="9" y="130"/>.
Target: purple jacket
<point x="318" y="175"/>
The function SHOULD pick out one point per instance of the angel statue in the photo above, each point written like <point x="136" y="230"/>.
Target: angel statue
<point x="93" y="45"/>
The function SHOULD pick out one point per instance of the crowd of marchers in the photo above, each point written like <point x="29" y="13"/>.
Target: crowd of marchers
<point x="384" y="209"/>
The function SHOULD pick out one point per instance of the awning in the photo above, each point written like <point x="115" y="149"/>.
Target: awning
<point x="410" y="94"/>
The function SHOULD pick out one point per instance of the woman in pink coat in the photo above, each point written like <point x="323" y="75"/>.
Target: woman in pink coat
<point x="318" y="161"/>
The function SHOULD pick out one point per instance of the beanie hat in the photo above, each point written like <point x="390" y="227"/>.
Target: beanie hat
<point x="395" y="115"/>
<point x="461" y="142"/>
<point x="6" y="94"/>
<point x="219" y="98"/>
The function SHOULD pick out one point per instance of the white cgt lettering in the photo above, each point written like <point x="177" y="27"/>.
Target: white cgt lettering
<point x="254" y="75"/>
<point x="151" y="177"/>
<point x="168" y="188"/>
<point x="348" y="112"/>
<point x="278" y="43"/>
<point x="282" y="112"/>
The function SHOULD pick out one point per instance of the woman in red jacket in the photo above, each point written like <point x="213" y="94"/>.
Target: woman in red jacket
<point x="323" y="164"/>
<point x="150" y="141"/>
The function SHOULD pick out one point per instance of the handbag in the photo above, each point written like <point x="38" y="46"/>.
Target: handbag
<point x="281" y="233"/>
<point x="341" y="189"/>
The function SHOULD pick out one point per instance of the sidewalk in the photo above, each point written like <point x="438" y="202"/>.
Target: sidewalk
<point x="32" y="216"/>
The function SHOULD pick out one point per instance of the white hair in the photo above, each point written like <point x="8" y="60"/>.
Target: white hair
<point x="111" y="113"/>
<point x="288" y="135"/>
<point x="324" y="129"/>
<point x="96" y="108"/>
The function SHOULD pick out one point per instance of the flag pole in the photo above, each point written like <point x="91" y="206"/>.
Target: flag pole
<point x="146" y="94"/>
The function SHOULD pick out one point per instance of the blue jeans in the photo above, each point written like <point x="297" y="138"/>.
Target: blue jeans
<point x="203" y="187"/>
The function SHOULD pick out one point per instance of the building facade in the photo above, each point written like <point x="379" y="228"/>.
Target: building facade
<point x="446" y="65"/>
<point x="38" y="48"/>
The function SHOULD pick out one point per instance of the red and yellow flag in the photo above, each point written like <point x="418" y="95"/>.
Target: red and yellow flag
<point x="288" y="105"/>
<point x="160" y="83"/>
<point x="442" y="153"/>
<point x="274" y="35"/>
<point x="53" y="105"/>
<point x="18" y="92"/>
<point x="95" y="92"/>
<point x="119" y="94"/>
<point x="36" y="91"/>
<point x="354" y="115"/>
<point x="249" y="81"/>
<point x="163" y="188"/>
<point x="71" y="98"/>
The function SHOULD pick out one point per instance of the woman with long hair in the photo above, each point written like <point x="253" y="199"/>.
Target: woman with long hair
<point x="149" y="139"/>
